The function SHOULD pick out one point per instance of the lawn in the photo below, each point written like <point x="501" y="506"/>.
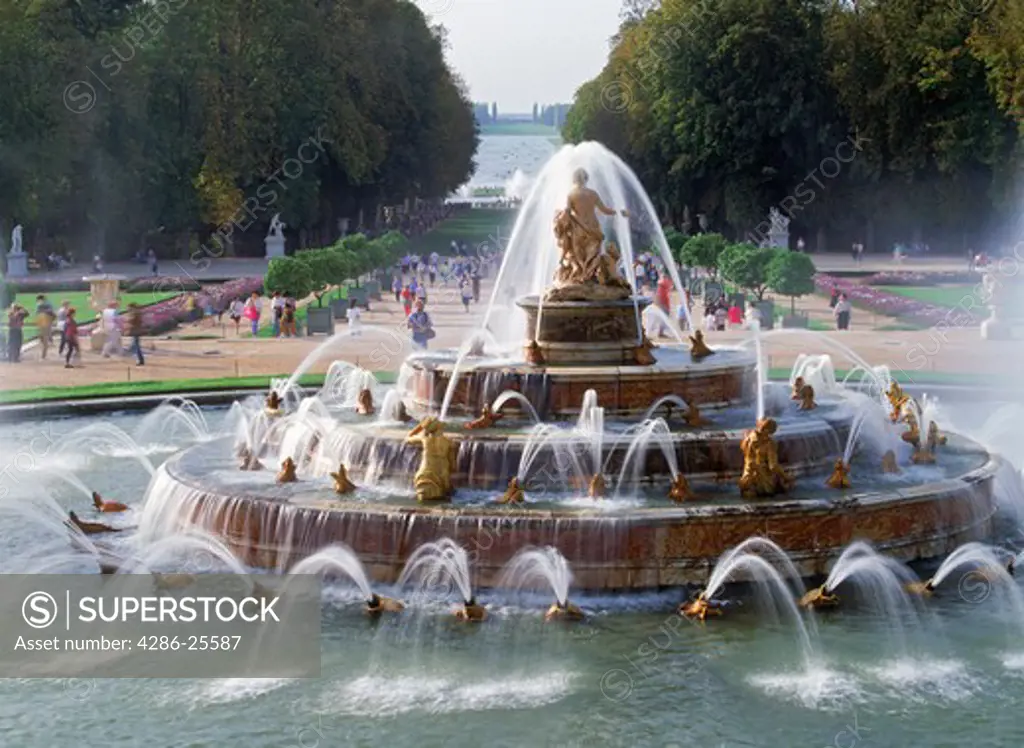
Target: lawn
<point x="474" y="226"/>
<point x="80" y="301"/>
<point x="949" y="296"/>
<point x="164" y="387"/>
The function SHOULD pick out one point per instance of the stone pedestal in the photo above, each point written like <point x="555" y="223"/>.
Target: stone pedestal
<point x="17" y="265"/>
<point x="585" y="332"/>
<point x="275" y="246"/>
<point x="1006" y="317"/>
<point x="778" y="237"/>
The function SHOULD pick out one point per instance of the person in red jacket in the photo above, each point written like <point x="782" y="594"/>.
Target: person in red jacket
<point x="71" y="338"/>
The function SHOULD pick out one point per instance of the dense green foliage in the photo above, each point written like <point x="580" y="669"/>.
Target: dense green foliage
<point x="747" y="266"/>
<point x="875" y="121"/>
<point x="790" y="274"/>
<point x="290" y="276"/>
<point x="128" y="124"/>
<point x="703" y="251"/>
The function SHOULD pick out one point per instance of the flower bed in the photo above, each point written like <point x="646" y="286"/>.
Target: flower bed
<point x="167" y="315"/>
<point x="882" y="302"/>
<point x="899" y="278"/>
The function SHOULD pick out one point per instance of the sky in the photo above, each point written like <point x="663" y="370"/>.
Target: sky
<point x="518" y="52"/>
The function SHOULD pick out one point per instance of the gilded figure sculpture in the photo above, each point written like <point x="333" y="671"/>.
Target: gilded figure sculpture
<point x="249" y="461"/>
<point x="566" y="612"/>
<point x="378" y="604"/>
<point x="840" y="477"/>
<point x="798" y="385"/>
<point x="698" y="348"/>
<point x="699" y="608"/>
<point x="287" y="472"/>
<point x="433" y="479"/>
<point x="486" y="419"/>
<point x="534" y="355"/>
<point x="364" y="403"/>
<point x="819" y="597"/>
<point x="762" y="473"/>
<point x="514" y="494"/>
<point x="807" y="398"/>
<point x="471" y="611"/>
<point x="587" y="270"/>
<point x="897" y="399"/>
<point x="598" y="486"/>
<point x="642" y="353"/>
<point x="342" y="485"/>
<point x="889" y="464"/>
<point x="694" y="419"/>
<point x="680" y="490"/>
<point x="272" y="405"/>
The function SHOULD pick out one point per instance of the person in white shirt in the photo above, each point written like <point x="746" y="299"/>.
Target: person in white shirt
<point x="110" y="327"/>
<point x="355" y="318"/>
<point x="754" y="317"/>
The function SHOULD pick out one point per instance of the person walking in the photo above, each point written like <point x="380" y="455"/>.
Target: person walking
<point x="396" y="287"/>
<point x="407" y="300"/>
<point x="467" y="294"/>
<point x="252" y="310"/>
<point x="754" y="316"/>
<point x="109" y="322"/>
<point x="476" y="286"/>
<point x="237" y="308"/>
<point x="420" y="324"/>
<point x="277" y="307"/>
<point x="44" y="323"/>
<point x="354" y="317"/>
<point x="133" y="329"/>
<point x="153" y="265"/>
<point x="288" y="313"/>
<point x="16" y="332"/>
<point x="62" y="321"/>
<point x="71" y="338"/>
<point x="842" y="313"/>
<point x="833" y="298"/>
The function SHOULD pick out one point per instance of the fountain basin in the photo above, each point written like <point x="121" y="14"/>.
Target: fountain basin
<point x="583" y="333"/>
<point x="725" y="379"/>
<point x="624" y="548"/>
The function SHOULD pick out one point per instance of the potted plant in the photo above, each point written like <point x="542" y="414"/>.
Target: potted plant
<point x="791" y="274"/>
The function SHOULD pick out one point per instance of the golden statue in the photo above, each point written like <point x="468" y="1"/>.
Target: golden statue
<point x="534" y="355"/>
<point x="819" y="598"/>
<point x="807" y="398"/>
<point x="924" y="589"/>
<point x="897" y="399"/>
<point x="487" y="419"/>
<point x="249" y="461"/>
<point x="514" y="494"/>
<point x="698" y="348"/>
<point x="597" y="487"/>
<point x="584" y="272"/>
<point x="364" y="403"/>
<point x="762" y="473"/>
<point x="798" y="385"/>
<point x="342" y="485"/>
<point x="889" y="463"/>
<point x="934" y="438"/>
<point x="699" y="608"/>
<point x="272" y="405"/>
<point x="840" y="477"/>
<point x="922" y="455"/>
<point x="642" y="353"/>
<point x="567" y="612"/>
<point x="91" y="528"/>
<point x="378" y="604"/>
<point x="693" y="418"/>
<point x="471" y="611"/>
<point x="680" y="490"/>
<point x="913" y="433"/>
<point x="287" y="473"/>
<point x="433" y="479"/>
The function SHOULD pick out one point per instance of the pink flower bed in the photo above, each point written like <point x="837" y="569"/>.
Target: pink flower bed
<point x="882" y="302"/>
<point x="931" y="278"/>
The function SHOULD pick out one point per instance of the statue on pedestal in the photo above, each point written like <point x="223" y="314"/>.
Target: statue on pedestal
<point x="277" y="227"/>
<point x="274" y="241"/>
<point x="585" y="272"/>
<point x="433" y="479"/>
<point x="16" y="239"/>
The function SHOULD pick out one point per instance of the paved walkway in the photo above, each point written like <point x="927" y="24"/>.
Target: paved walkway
<point x="207" y="351"/>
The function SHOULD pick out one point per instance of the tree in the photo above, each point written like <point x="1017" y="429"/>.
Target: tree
<point x="747" y="266"/>
<point x="704" y="251"/>
<point x="675" y="240"/>
<point x="289" y="275"/>
<point x="791" y="274"/>
<point x="326" y="266"/>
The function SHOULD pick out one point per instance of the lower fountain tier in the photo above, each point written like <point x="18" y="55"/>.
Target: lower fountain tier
<point x="630" y="549"/>
<point x="727" y="378"/>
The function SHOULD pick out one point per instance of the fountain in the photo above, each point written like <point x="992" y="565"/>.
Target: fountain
<point x="559" y="425"/>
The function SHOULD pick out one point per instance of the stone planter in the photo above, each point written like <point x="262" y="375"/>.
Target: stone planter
<point x="798" y="321"/>
<point x="320" y="320"/>
<point x="373" y="289"/>
<point x="767" y="309"/>
<point x="339" y="307"/>
<point x="360" y="295"/>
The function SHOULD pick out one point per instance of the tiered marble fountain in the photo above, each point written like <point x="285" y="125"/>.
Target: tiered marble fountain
<point x="560" y="424"/>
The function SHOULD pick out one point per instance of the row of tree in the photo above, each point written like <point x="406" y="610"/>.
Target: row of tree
<point x="316" y="271"/>
<point x="133" y="123"/>
<point x="874" y="120"/>
<point x="749" y="267"/>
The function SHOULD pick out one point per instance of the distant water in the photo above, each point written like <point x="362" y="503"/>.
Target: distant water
<point x="500" y="156"/>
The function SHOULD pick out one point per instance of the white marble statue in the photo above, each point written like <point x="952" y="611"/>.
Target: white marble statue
<point x="780" y="223"/>
<point x="16" y="240"/>
<point x="276" y="227"/>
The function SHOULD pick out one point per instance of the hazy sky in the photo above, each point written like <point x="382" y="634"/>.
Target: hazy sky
<point x="517" y="52"/>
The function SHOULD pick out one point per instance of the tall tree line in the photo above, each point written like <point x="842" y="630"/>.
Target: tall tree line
<point x="133" y="123"/>
<point x="730" y="107"/>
